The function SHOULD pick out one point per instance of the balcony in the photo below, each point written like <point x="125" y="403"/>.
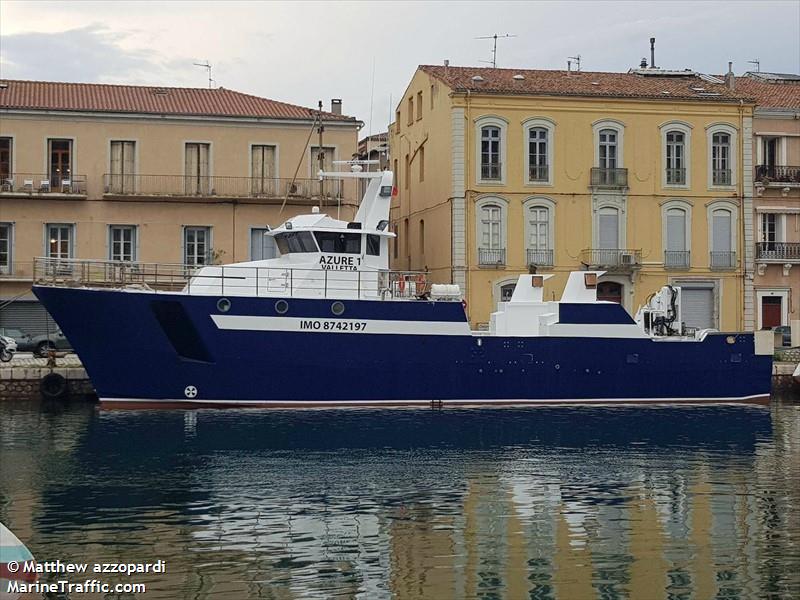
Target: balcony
<point x="777" y="175"/>
<point x="778" y="252"/>
<point x="491" y="171"/>
<point x="540" y="258"/>
<point x="609" y="178"/>
<point x="165" y="186"/>
<point x="721" y="177"/>
<point x="676" y="259"/>
<point x="42" y="185"/>
<point x="538" y="173"/>
<point x="723" y="260"/>
<point x="676" y="176"/>
<point x="611" y="259"/>
<point x="491" y="257"/>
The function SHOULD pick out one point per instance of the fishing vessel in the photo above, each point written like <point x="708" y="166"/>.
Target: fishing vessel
<point x="327" y="323"/>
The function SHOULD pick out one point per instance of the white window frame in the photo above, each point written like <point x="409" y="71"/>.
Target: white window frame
<point x="733" y="209"/>
<point x="685" y="206"/>
<point x="502" y="124"/>
<point x="550" y="205"/>
<point x="209" y="243"/>
<point x="134" y="241"/>
<point x="250" y="231"/>
<point x="622" y="236"/>
<point x="480" y="203"/>
<point x="72" y="238"/>
<point x="780" y="226"/>
<point x="617" y="126"/>
<point x="686" y="129"/>
<point x="9" y="268"/>
<point x="734" y="136"/>
<point x="550" y="126"/>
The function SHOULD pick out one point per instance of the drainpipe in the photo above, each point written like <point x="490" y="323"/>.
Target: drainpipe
<point x="468" y="158"/>
<point x="741" y="297"/>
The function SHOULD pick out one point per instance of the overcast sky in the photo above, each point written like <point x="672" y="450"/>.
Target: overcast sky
<point x="301" y="52"/>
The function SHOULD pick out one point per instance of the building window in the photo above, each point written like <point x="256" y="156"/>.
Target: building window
<point x="196" y="245"/>
<point x="676" y="253"/>
<point x="197" y="168"/>
<point x="538" y="169"/>
<point x="5" y="248"/>
<point x="262" y="246"/>
<point x="327" y="154"/>
<point x="60" y="165"/>
<point x="723" y="241"/>
<point x="676" y="161"/>
<point x="608" y="229"/>
<point x="407" y="172"/>
<point x="432" y="89"/>
<point x="490" y="153"/>
<point x="410" y="119"/>
<point x="491" y="222"/>
<point x="5" y="159"/>
<point x="507" y="291"/>
<point x="60" y="240"/>
<point x="395" y="243"/>
<point x="422" y="237"/>
<point x="122" y="242"/>
<point x="262" y="170"/>
<point x="397" y="121"/>
<point x="419" y="105"/>
<point x="396" y="172"/>
<point x="539" y="231"/>
<point x="608" y="149"/>
<point x="421" y="163"/>
<point x="720" y="158"/>
<point x="123" y="161"/>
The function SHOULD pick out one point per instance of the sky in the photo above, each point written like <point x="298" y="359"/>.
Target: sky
<point x="366" y="52"/>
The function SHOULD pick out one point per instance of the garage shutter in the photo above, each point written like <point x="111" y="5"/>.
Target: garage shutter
<point x="30" y="317"/>
<point x="697" y="307"/>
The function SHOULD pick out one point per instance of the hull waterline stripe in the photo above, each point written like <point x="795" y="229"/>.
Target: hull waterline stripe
<point x="460" y="402"/>
<point x="337" y="325"/>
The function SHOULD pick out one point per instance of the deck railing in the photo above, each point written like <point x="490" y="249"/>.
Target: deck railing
<point x="676" y="259"/>
<point x="778" y="251"/>
<point x="613" y="259"/>
<point x="723" y="260"/>
<point x="539" y="258"/>
<point x="777" y="174"/>
<point x="609" y="178"/>
<point x="491" y="256"/>
<point x="233" y="280"/>
<point x="42" y="183"/>
<point x="221" y="186"/>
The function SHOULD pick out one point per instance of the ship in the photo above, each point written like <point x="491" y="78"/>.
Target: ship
<point x="327" y="323"/>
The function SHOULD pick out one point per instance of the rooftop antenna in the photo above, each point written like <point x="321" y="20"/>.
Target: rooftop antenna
<point x="494" y="47"/>
<point x="206" y="65"/>
<point x="757" y="63"/>
<point x="577" y="60"/>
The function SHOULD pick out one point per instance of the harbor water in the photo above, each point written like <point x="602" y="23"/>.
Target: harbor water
<point x="660" y="502"/>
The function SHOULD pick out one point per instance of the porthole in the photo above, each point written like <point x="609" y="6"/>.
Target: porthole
<point x="281" y="307"/>
<point x="223" y="305"/>
<point x="337" y="308"/>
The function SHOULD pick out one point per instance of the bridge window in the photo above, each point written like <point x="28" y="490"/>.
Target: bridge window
<point x="339" y="243"/>
<point x="373" y="245"/>
<point x="295" y="241"/>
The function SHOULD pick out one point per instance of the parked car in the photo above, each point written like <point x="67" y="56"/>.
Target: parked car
<point x="24" y="341"/>
<point x="42" y="344"/>
<point x="786" y="331"/>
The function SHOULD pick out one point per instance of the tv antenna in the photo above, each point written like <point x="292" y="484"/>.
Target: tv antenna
<point x="757" y="63"/>
<point x="207" y="66"/>
<point x="494" y="46"/>
<point x="577" y="60"/>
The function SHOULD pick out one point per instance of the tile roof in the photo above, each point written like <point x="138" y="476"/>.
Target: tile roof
<point x="770" y="95"/>
<point x="584" y="83"/>
<point x="93" y="97"/>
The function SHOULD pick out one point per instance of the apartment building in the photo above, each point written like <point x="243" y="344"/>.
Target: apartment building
<point x="776" y="141"/>
<point x="645" y="174"/>
<point x="154" y="174"/>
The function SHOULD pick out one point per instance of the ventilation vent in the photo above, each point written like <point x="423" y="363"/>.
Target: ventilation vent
<point x="161" y="91"/>
<point x="519" y="77"/>
<point x="477" y="78"/>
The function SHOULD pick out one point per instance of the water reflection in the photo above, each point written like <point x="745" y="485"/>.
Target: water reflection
<point x="653" y="502"/>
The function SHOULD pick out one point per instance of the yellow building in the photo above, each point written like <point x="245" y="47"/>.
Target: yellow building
<point x="133" y="173"/>
<point x="645" y="174"/>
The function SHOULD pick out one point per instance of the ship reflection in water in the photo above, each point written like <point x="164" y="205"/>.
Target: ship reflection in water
<point x="570" y="503"/>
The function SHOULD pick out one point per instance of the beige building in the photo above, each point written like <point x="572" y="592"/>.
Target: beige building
<point x="177" y="175"/>
<point x="776" y="131"/>
<point x="646" y="175"/>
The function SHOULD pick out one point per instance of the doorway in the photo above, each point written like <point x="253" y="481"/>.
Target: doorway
<point x="771" y="311"/>
<point x="609" y="291"/>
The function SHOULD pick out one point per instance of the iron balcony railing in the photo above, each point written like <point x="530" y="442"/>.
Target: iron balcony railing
<point x="42" y="183"/>
<point x="777" y="174"/>
<point x="491" y="171"/>
<point x="778" y="251"/>
<point x="222" y="186"/>
<point x="613" y="259"/>
<point x="677" y="259"/>
<point x="611" y="178"/>
<point x="538" y="172"/>
<point x="723" y="260"/>
<point x="676" y="176"/>
<point x="540" y="258"/>
<point x="491" y="256"/>
<point x="721" y="177"/>
<point x="230" y="280"/>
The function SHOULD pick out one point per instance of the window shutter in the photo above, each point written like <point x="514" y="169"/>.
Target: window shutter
<point x="676" y="231"/>
<point x="608" y="230"/>
<point x="722" y="231"/>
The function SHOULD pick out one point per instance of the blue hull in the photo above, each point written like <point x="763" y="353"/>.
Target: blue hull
<point x="154" y="347"/>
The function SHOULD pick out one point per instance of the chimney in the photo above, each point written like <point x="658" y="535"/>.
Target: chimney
<point x="446" y="63"/>
<point x="730" y="79"/>
<point x="652" y="53"/>
<point x="336" y="106"/>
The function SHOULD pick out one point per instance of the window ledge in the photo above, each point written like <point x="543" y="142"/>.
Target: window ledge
<point x="539" y="184"/>
<point x="490" y="182"/>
